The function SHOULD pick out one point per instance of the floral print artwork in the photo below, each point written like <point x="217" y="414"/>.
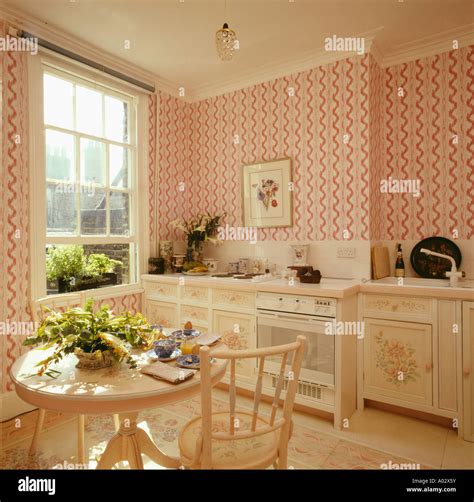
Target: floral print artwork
<point x="266" y="193"/>
<point x="396" y="360"/>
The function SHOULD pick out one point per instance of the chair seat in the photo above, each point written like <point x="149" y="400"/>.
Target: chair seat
<point x="255" y="452"/>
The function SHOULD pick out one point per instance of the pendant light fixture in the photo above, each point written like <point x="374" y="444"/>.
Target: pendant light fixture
<point x="226" y="42"/>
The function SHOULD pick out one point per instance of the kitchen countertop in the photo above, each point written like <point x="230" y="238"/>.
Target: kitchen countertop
<point x="438" y="288"/>
<point x="332" y="287"/>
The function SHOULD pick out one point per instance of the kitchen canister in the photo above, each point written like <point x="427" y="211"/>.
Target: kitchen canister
<point x="211" y="264"/>
<point x="233" y="267"/>
<point x="156" y="266"/>
<point x="166" y="252"/>
<point x="178" y="262"/>
<point x="244" y="266"/>
<point x="300" y="254"/>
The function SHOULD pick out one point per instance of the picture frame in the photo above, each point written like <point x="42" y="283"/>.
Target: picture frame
<point x="267" y="194"/>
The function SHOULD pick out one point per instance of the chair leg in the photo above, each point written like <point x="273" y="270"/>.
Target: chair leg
<point x="116" y="422"/>
<point x="38" y="427"/>
<point x="81" y="457"/>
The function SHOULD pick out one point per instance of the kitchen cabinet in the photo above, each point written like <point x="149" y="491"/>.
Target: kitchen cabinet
<point x="162" y="313"/>
<point x="411" y="354"/>
<point x="398" y="361"/>
<point x="238" y="333"/>
<point x="468" y="369"/>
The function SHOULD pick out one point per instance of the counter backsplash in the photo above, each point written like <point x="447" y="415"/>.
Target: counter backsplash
<point x="322" y="255"/>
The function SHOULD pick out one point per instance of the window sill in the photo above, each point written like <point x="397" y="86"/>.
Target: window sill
<point x="106" y="292"/>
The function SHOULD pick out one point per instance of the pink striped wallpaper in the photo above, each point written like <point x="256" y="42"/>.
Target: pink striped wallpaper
<point x="319" y="118"/>
<point x="428" y="135"/>
<point x="14" y="211"/>
<point x="346" y="128"/>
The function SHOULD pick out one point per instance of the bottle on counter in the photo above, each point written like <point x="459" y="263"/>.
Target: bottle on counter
<point x="399" y="264"/>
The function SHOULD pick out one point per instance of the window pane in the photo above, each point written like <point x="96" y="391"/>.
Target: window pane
<point x="60" y="156"/>
<point x="119" y="213"/>
<point x="88" y="111"/>
<point x="58" y="102"/>
<point x="92" y="162"/>
<point x="116" y="119"/>
<point x="61" y="212"/>
<point x="93" y="212"/>
<point x="118" y="163"/>
<point x="74" y="266"/>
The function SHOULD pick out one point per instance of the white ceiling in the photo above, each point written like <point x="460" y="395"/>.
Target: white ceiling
<point x="174" y="39"/>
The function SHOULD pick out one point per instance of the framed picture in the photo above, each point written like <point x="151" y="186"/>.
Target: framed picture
<point x="267" y="196"/>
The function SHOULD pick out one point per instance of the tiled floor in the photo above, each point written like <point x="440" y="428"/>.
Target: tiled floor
<point x="375" y="439"/>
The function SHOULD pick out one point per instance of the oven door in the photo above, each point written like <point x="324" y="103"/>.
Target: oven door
<point x="274" y="328"/>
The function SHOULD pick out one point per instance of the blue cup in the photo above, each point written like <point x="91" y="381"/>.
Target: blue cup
<point x="164" y="348"/>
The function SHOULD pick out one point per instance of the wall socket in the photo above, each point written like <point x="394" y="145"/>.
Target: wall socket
<point x="346" y="252"/>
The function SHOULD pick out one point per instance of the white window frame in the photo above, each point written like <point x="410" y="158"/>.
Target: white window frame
<point x="38" y="239"/>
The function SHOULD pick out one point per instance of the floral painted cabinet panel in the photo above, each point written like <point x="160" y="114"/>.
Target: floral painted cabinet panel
<point x="162" y="313"/>
<point x="238" y="332"/>
<point x="398" y="361"/>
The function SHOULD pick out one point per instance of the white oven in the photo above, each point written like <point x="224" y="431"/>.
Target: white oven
<point x="281" y="318"/>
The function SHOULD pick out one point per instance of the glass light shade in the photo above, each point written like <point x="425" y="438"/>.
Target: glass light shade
<point x="225" y="42"/>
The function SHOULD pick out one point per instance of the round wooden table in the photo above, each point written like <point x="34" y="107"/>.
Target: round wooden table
<point x="118" y="389"/>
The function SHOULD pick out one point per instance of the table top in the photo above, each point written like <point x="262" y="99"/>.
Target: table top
<point x="108" y="390"/>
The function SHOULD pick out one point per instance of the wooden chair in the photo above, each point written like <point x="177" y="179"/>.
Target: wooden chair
<point x="59" y="302"/>
<point x="243" y="439"/>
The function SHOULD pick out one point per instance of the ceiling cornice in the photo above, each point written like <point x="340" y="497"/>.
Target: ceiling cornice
<point x="24" y="21"/>
<point x="429" y="46"/>
<point x="270" y="71"/>
<point x="425" y="47"/>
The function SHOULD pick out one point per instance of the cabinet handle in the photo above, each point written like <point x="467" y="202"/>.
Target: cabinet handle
<point x="466" y="371"/>
<point x="395" y="307"/>
<point x="429" y="366"/>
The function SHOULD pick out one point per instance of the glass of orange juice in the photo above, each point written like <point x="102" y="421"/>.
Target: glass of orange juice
<point x="187" y="346"/>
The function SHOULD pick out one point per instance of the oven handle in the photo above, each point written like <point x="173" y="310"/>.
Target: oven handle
<point x="291" y="321"/>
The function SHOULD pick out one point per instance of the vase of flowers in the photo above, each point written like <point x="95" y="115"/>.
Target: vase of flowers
<point x="98" y="339"/>
<point x="198" y="230"/>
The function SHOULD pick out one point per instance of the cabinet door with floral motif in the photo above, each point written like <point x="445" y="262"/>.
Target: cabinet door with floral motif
<point x="163" y="313"/>
<point x="238" y="333"/>
<point x="398" y="361"/>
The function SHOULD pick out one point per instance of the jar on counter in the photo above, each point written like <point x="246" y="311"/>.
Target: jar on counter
<point x="156" y="265"/>
<point x="243" y="266"/>
<point x="233" y="267"/>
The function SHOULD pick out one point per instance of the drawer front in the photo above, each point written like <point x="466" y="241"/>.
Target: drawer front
<point x="194" y="294"/>
<point x="160" y="290"/>
<point x="162" y="313"/>
<point x="398" y="307"/>
<point x="233" y="297"/>
<point x="192" y="313"/>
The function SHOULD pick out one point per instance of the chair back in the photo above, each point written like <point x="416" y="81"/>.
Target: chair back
<point x="290" y="356"/>
<point x="54" y="302"/>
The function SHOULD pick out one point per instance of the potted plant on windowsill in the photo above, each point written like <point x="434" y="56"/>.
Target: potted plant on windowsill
<point x="99" y="271"/>
<point x="75" y="272"/>
<point x="98" y="339"/>
<point x="66" y="265"/>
